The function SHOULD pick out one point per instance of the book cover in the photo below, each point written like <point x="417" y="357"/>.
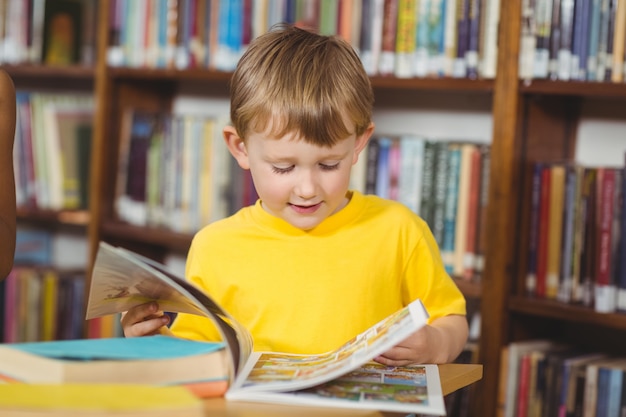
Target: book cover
<point x="122" y="280"/>
<point x="78" y="400"/>
<point x="154" y="360"/>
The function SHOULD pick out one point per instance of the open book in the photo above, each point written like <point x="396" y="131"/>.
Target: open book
<point x="344" y="377"/>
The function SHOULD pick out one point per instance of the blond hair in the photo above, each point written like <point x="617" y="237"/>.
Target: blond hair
<point x="291" y="80"/>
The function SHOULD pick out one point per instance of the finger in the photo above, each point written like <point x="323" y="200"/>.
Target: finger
<point x="147" y="327"/>
<point x="139" y="313"/>
<point x="383" y="360"/>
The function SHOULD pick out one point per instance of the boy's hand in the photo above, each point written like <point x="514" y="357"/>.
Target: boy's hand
<point x="439" y="342"/>
<point x="144" y="320"/>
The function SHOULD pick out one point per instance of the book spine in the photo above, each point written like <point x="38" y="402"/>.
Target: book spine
<point x="489" y="45"/>
<point x="555" y="40"/>
<point x="386" y="65"/>
<point x="542" y="242"/>
<point x="621" y="281"/>
<point x="382" y="169"/>
<point x="604" y="288"/>
<point x="411" y="172"/>
<point x="435" y="45"/>
<point x="420" y="60"/>
<point x="594" y="40"/>
<point x="603" y="39"/>
<point x="450" y="207"/>
<point x="428" y="183"/>
<point x="462" y="34"/>
<point x="473" y="214"/>
<point x="608" y="61"/>
<point x="564" y="58"/>
<point x="440" y="191"/>
<point x="577" y="37"/>
<point x="588" y="258"/>
<point x="471" y="55"/>
<point x="544" y="29"/>
<point x="372" y="166"/>
<point x="533" y="240"/>
<point x="479" y="262"/>
<point x="555" y="229"/>
<point x="619" y="39"/>
<point x="405" y="38"/>
<point x="450" y="37"/>
<point x="462" y="219"/>
<point x="567" y="242"/>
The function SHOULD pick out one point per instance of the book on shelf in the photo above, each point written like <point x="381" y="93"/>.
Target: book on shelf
<point x="122" y="280"/>
<point x="154" y="360"/>
<point x="84" y="400"/>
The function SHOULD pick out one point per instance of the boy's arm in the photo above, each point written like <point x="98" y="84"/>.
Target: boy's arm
<point x="439" y="342"/>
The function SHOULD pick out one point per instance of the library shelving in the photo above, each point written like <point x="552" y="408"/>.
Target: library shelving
<point x="532" y="120"/>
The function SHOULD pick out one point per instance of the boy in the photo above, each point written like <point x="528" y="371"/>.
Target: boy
<point x="312" y="264"/>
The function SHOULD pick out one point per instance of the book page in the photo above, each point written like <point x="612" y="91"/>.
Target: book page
<point x="412" y="389"/>
<point x="122" y="279"/>
<point x="289" y="372"/>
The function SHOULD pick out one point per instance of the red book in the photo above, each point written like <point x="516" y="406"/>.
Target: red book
<point x="472" y="215"/>
<point x="605" y="295"/>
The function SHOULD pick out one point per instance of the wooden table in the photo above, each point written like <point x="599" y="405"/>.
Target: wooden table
<point x="453" y="377"/>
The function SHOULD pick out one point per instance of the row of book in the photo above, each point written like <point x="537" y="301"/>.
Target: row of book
<point x="445" y="182"/>
<point x="175" y="172"/>
<point x="403" y="38"/>
<point x="42" y="303"/>
<point x="50" y="32"/>
<point x="573" y="40"/>
<point x="52" y="150"/>
<point x="544" y="378"/>
<point x="576" y="250"/>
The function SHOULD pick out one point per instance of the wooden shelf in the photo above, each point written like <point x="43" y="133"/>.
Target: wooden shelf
<point x="455" y="85"/>
<point x="77" y="218"/>
<point x="574" y="88"/>
<point x="44" y="77"/>
<point x="566" y="312"/>
<point x="178" y="242"/>
<point x="469" y="288"/>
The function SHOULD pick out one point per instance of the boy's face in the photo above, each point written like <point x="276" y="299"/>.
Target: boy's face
<point x="298" y="182"/>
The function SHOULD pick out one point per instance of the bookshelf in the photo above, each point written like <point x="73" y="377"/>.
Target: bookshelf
<point x="532" y="120"/>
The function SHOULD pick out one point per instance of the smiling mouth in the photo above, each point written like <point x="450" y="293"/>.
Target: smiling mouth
<point x="305" y="209"/>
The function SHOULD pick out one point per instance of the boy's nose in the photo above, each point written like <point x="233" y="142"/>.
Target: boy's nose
<point x="305" y="187"/>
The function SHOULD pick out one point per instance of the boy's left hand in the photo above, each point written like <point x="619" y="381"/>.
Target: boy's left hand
<point x="439" y="342"/>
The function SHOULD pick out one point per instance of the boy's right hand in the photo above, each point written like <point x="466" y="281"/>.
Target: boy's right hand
<point x="144" y="320"/>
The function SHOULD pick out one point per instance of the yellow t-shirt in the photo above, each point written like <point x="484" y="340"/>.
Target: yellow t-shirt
<point x="311" y="291"/>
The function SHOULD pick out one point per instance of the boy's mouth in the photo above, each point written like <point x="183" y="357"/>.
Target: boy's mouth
<point x="308" y="209"/>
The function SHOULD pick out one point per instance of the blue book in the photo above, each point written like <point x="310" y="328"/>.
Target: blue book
<point x="382" y="169"/>
<point x="452" y="196"/>
<point x="594" y="40"/>
<point x="154" y="360"/>
<point x="33" y="247"/>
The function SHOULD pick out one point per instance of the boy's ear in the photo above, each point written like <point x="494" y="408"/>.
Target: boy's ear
<point x="236" y="146"/>
<point x="362" y="141"/>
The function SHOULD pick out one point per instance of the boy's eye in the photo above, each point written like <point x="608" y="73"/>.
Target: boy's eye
<point x="329" y="167"/>
<point x="281" y="170"/>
